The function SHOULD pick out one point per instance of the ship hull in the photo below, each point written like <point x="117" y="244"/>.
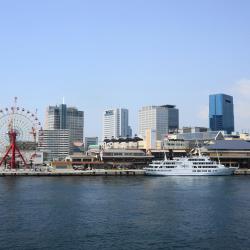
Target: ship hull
<point x="189" y="172"/>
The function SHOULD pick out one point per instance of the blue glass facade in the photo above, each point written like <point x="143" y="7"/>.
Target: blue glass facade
<point x="63" y="116"/>
<point x="221" y="113"/>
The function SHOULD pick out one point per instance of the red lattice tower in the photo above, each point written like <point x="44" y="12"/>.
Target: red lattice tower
<point x="18" y="127"/>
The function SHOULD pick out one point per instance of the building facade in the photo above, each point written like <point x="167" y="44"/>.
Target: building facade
<point x="75" y="124"/>
<point x="52" y="118"/>
<point x="162" y="119"/>
<point x="192" y="130"/>
<point x="63" y="117"/>
<point x="55" y="143"/>
<point x="235" y="153"/>
<point x="221" y="113"/>
<point x="90" y="141"/>
<point x="116" y="123"/>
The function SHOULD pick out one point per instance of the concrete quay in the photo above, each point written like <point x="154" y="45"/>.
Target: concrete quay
<point x="69" y="172"/>
<point x="97" y="172"/>
<point x="242" y="171"/>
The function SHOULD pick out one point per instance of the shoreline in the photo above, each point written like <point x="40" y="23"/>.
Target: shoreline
<point x="102" y="172"/>
<point x="132" y="172"/>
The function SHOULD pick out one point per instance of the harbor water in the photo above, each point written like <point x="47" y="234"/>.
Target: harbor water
<point x="134" y="212"/>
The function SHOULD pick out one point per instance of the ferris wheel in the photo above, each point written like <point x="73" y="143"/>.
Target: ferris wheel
<point x="19" y="131"/>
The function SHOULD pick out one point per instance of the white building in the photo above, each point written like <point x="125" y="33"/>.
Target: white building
<point x="116" y="123"/>
<point x="162" y="119"/>
<point x="55" y="143"/>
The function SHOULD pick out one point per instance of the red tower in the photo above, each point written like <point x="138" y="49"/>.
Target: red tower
<point x="13" y="150"/>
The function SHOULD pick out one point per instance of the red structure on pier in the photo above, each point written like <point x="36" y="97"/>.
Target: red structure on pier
<point x="13" y="150"/>
<point x="18" y="128"/>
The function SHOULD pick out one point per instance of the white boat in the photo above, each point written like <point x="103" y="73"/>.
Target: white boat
<point x="188" y="166"/>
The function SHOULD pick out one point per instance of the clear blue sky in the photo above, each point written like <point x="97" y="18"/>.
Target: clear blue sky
<point x="130" y="53"/>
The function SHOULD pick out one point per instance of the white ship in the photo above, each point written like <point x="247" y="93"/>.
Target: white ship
<point x="188" y="166"/>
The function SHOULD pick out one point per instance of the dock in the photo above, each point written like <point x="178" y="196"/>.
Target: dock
<point x="96" y="172"/>
<point x="242" y="171"/>
<point x="68" y="172"/>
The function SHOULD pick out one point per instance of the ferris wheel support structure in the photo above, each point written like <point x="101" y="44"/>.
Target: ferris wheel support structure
<point x="14" y="151"/>
<point x="19" y="129"/>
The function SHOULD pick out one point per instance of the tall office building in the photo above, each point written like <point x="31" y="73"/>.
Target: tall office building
<point x="162" y="119"/>
<point x="221" y="113"/>
<point x="52" y="118"/>
<point x="63" y="117"/>
<point x="116" y="123"/>
<point x="75" y="124"/>
<point x="55" y="143"/>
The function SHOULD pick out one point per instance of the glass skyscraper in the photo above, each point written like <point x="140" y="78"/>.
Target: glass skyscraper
<point x="221" y="113"/>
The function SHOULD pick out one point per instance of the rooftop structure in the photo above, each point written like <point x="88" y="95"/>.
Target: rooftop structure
<point x="201" y="136"/>
<point x="193" y="130"/>
<point x="230" y="152"/>
<point x="230" y="145"/>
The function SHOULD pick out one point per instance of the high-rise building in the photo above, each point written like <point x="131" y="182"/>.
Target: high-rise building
<point x="75" y="124"/>
<point x="55" y="143"/>
<point x="221" y="113"/>
<point x="63" y="117"/>
<point x="116" y="123"/>
<point x="52" y="118"/>
<point x="162" y="119"/>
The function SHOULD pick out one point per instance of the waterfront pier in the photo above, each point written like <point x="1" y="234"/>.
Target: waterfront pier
<point x="68" y="172"/>
<point x="94" y="172"/>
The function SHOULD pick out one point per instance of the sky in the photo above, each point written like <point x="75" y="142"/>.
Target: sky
<point x="125" y="53"/>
